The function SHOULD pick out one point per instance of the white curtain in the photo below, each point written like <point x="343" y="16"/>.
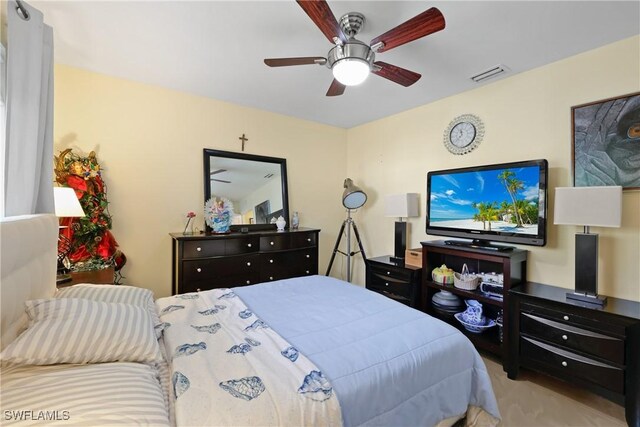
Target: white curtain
<point x="28" y="151"/>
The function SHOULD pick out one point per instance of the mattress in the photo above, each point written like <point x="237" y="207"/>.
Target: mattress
<point x="388" y="364"/>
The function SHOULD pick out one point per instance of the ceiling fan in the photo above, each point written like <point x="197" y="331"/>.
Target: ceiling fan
<point x="352" y="60"/>
<point x="219" y="180"/>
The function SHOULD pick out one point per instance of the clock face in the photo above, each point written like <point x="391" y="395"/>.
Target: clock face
<point x="463" y="134"/>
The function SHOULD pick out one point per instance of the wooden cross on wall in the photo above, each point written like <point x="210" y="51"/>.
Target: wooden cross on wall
<point x="243" y="139"/>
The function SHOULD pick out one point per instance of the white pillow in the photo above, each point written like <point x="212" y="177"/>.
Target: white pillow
<point x="74" y="330"/>
<point x="115" y="293"/>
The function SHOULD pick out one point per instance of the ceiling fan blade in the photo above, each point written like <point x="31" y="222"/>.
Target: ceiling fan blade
<point x="221" y="180"/>
<point x="395" y="74"/>
<point x="426" y="23"/>
<point x="284" y="62"/>
<point x="336" y="88"/>
<point x="321" y="15"/>
<point x="217" y="171"/>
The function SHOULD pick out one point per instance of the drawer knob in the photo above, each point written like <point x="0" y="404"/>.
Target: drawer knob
<point x="388" y="273"/>
<point x="248" y="245"/>
<point x="271" y="243"/>
<point x="386" y="284"/>
<point x="565" y="317"/>
<point x="198" y="249"/>
<point x="249" y="264"/>
<point x="564" y="337"/>
<point x="308" y="240"/>
<point x="307" y="271"/>
<point x="564" y="363"/>
<point x="271" y="261"/>
<point x="308" y="256"/>
<point x="198" y="290"/>
<point x="198" y="269"/>
<point x="270" y="277"/>
<point x="248" y="282"/>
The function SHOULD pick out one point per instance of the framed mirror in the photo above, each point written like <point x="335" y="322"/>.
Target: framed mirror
<point x="255" y="185"/>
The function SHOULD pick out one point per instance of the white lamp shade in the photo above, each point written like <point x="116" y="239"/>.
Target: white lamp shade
<point x="403" y="205"/>
<point x="66" y="203"/>
<point x="588" y="206"/>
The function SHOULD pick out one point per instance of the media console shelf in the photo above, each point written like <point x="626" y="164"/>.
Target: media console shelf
<point x="511" y="264"/>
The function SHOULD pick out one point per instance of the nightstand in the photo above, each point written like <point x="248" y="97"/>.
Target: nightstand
<point x="400" y="282"/>
<point x="593" y="347"/>
<point x="98" y="277"/>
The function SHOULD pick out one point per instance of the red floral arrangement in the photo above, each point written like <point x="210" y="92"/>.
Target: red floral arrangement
<point x="92" y="244"/>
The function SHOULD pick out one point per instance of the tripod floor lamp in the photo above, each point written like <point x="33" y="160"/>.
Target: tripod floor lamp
<point x="352" y="198"/>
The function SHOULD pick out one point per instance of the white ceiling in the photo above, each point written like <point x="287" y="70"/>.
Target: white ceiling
<point x="215" y="48"/>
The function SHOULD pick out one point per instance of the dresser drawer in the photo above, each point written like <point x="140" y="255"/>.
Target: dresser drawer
<point x="275" y="243"/>
<point x="282" y="265"/>
<point x="391" y="272"/>
<point x="302" y="240"/>
<point x="242" y="245"/>
<point x="391" y="285"/>
<point x="573" y="319"/>
<point x="203" y="248"/>
<point x="216" y="269"/>
<point x="568" y="365"/>
<point x="593" y="343"/>
<point x="231" y="281"/>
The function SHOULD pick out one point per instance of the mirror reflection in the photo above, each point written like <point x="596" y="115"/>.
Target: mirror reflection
<point x="255" y="185"/>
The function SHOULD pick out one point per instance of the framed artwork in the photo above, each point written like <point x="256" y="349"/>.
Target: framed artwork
<point x="262" y="212"/>
<point x="606" y="142"/>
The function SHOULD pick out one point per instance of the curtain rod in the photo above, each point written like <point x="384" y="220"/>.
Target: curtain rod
<point x="23" y="12"/>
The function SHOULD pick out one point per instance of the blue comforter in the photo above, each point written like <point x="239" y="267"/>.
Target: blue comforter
<point x="388" y="364"/>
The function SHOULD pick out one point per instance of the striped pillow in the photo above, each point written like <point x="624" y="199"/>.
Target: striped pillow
<point x="73" y="330"/>
<point x="115" y="293"/>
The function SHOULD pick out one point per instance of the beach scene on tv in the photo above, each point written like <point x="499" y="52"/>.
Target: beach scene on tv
<point x="502" y="200"/>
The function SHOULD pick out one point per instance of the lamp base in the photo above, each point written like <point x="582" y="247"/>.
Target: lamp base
<point x="591" y="299"/>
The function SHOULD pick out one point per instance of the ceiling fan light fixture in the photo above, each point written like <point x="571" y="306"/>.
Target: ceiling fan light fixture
<point x="351" y="71"/>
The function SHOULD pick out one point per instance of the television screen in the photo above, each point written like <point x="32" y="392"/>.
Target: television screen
<point x="505" y="202"/>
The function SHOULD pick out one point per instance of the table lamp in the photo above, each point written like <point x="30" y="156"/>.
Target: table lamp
<point x="66" y="205"/>
<point x="403" y="205"/>
<point x="588" y="207"/>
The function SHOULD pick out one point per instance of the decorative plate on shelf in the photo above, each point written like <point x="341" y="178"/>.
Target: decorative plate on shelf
<point x="463" y="134"/>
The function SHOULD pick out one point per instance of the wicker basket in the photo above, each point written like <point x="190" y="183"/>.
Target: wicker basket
<point x="465" y="280"/>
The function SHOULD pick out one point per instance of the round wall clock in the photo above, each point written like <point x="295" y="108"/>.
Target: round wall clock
<point x="463" y="134"/>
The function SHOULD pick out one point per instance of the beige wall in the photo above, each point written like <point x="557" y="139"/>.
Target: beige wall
<point x="149" y="141"/>
<point x="526" y="116"/>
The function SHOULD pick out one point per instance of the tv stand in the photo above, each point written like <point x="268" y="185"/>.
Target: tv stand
<point x="479" y="244"/>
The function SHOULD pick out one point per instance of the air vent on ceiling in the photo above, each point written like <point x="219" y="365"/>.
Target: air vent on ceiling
<point x="490" y="73"/>
<point x="269" y="175"/>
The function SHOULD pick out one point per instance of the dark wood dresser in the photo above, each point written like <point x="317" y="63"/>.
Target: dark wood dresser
<point x="400" y="282"/>
<point x="208" y="261"/>
<point x="597" y="348"/>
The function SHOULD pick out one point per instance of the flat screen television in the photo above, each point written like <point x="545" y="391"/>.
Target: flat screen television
<point x="494" y="203"/>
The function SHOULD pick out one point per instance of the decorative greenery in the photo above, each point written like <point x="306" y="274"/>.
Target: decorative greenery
<point x="92" y="244"/>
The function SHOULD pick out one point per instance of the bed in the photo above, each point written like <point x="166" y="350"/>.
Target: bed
<point x="312" y="351"/>
<point x="40" y="383"/>
<point x="377" y="362"/>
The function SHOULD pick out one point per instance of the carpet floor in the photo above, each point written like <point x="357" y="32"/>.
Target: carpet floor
<point x="536" y="400"/>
